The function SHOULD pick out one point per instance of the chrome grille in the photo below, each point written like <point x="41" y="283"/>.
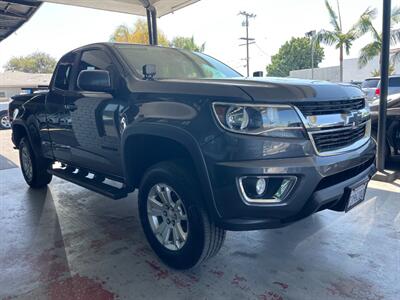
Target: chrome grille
<point x="331" y="140"/>
<point x="314" y="108"/>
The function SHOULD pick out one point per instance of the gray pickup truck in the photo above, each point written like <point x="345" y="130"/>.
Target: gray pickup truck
<point x="208" y="149"/>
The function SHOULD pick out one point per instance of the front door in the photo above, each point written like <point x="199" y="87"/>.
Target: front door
<point x="94" y="120"/>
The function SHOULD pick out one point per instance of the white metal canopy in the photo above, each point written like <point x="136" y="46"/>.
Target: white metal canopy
<point x="135" y="7"/>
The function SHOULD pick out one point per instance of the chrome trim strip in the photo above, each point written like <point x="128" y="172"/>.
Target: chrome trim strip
<point x="252" y="201"/>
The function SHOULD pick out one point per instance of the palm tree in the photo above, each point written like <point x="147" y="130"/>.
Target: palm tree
<point x="342" y="40"/>
<point x="373" y="49"/>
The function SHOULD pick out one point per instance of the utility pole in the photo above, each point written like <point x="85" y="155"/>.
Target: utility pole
<point x="311" y="35"/>
<point x="248" y="40"/>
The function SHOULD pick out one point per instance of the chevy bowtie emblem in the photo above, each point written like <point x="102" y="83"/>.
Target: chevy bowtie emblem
<point x="354" y="119"/>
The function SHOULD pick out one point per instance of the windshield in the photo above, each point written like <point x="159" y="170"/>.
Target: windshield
<point x="370" y="83"/>
<point x="175" y="63"/>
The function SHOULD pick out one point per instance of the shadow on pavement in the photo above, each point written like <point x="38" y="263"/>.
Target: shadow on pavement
<point x="5" y="163"/>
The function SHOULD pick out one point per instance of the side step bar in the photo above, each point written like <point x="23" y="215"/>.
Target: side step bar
<point x="91" y="184"/>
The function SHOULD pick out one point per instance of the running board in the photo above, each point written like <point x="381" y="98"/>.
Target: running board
<point x="91" y="184"/>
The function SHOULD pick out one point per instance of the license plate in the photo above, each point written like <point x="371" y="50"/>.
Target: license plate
<point x="357" y="195"/>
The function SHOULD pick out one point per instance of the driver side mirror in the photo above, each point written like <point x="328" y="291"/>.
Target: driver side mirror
<point x="94" y="81"/>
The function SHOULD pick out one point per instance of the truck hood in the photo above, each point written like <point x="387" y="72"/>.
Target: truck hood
<point x="283" y="89"/>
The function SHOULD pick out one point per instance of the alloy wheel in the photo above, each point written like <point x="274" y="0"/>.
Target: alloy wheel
<point x="167" y="216"/>
<point x="5" y="122"/>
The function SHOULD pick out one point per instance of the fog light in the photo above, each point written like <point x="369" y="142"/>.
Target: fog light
<point x="266" y="189"/>
<point x="260" y="186"/>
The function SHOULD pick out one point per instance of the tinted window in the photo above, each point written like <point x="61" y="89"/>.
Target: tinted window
<point x="63" y="72"/>
<point x="394" y="82"/>
<point x="94" y="60"/>
<point x="370" y="83"/>
<point x="175" y="63"/>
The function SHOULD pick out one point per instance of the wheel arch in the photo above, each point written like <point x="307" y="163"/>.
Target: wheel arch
<point x="139" y="153"/>
<point x="20" y="129"/>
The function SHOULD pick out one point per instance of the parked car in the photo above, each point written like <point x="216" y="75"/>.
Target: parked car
<point x="373" y="91"/>
<point x="4" y="120"/>
<point x="392" y="125"/>
<point x="369" y="87"/>
<point x="208" y="149"/>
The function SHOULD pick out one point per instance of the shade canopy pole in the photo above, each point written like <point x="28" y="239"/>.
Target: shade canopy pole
<point x="151" y="13"/>
<point x="385" y="56"/>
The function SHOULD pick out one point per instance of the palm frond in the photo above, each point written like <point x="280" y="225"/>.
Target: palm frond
<point x="347" y="46"/>
<point x="368" y="52"/>
<point x="395" y="36"/>
<point x="395" y="58"/>
<point x="364" y="23"/>
<point x="327" y="37"/>
<point x="395" y="15"/>
<point x="333" y="17"/>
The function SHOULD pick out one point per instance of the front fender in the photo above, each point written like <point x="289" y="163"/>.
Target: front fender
<point x="183" y="138"/>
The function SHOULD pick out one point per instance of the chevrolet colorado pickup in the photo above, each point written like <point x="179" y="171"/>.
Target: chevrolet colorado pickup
<point x="208" y="149"/>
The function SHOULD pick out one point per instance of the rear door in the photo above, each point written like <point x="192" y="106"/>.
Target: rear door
<point x="56" y="116"/>
<point x="94" y="118"/>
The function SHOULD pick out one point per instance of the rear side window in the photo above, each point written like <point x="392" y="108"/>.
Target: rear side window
<point x="370" y="83"/>
<point x="394" y="82"/>
<point x="63" y="72"/>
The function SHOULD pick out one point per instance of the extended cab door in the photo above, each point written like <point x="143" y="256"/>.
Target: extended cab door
<point x="57" y="118"/>
<point x="94" y="119"/>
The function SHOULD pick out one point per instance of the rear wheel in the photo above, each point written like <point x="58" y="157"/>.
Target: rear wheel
<point x="34" y="169"/>
<point x="174" y="219"/>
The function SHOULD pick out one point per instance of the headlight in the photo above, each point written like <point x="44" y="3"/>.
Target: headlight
<point x="267" y="120"/>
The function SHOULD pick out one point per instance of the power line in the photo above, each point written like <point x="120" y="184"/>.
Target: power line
<point x="248" y="40"/>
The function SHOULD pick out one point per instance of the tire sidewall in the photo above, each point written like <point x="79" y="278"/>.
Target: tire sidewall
<point x="191" y="252"/>
<point x="25" y="144"/>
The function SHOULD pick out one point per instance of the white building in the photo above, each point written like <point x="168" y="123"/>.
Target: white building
<point x="351" y="71"/>
<point x="13" y="83"/>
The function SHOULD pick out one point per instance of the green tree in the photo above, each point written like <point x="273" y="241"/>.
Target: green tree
<point x="187" y="43"/>
<point x="38" y="62"/>
<point x="295" y="55"/>
<point x="338" y="37"/>
<point x="374" y="48"/>
<point x="139" y="34"/>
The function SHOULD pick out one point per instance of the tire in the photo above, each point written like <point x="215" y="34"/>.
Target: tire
<point x="203" y="238"/>
<point x="4" y="120"/>
<point x="34" y="169"/>
<point x="374" y="135"/>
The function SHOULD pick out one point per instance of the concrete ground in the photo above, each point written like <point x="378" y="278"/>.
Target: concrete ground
<point x="65" y="242"/>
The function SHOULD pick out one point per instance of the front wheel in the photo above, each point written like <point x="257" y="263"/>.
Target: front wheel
<point x="4" y="120"/>
<point x="174" y="219"/>
<point x="34" y="169"/>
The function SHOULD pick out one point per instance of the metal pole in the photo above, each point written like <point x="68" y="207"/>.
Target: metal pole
<point x="154" y="25"/>
<point x="150" y="25"/>
<point x="385" y="55"/>
<point x="247" y="46"/>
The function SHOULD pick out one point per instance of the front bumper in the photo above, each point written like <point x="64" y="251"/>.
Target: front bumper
<point x="322" y="183"/>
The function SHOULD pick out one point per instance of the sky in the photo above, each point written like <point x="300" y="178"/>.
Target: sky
<point x="57" y="29"/>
